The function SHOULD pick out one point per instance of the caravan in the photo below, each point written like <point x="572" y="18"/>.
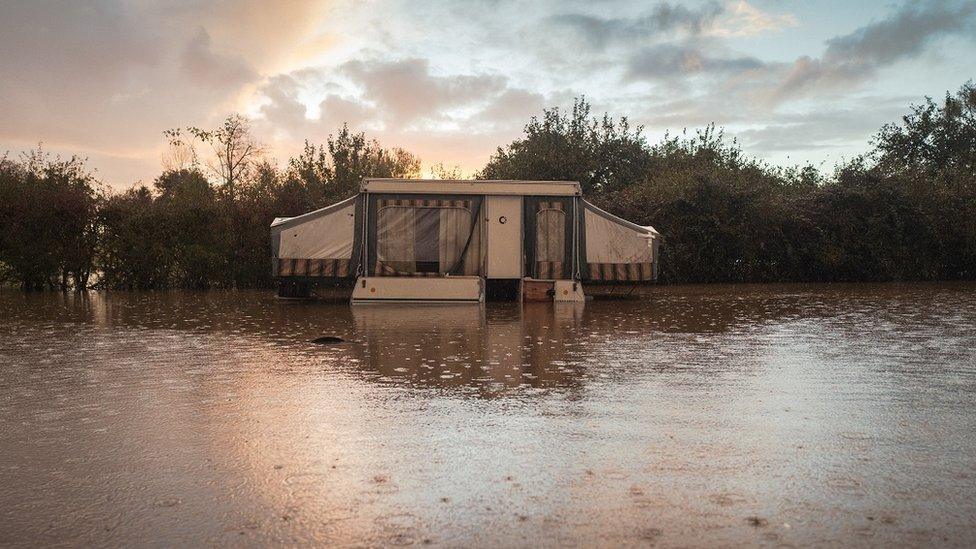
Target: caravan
<point x="447" y="241"/>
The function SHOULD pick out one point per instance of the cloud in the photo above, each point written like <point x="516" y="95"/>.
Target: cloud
<point x="448" y="79"/>
<point x="203" y="65"/>
<point x="668" y="61"/>
<point x="103" y="78"/>
<point x="736" y="86"/>
<point x="92" y="45"/>
<point x="407" y="91"/>
<point x="830" y="129"/>
<point x="458" y="118"/>
<point x="857" y="56"/>
<point x="68" y="70"/>
<point x="282" y="110"/>
<point x="271" y="36"/>
<point x="825" y="134"/>
<point x="395" y="95"/>
<point x="668" y="21"/>
<point x="743" y="19"/>
<point x="513" y="105"/>
<point x="662" y="19"/>
<point x="668" y="43"/>
<point x="336" y="110"/>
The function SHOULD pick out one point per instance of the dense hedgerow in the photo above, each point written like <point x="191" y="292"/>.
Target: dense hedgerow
<point x="905" y="211"/>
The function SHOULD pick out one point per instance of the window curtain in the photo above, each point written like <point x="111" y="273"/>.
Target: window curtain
<point x="396" y="233"/>
<point x="425" y="237"/>
<point x="550" y="240"/>
<point x="471" y="260"/>
<point x="455" y="226"/>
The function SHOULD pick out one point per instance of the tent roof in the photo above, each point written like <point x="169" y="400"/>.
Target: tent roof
<point x="471" y="186"/>
<point x="427" y="186"/>
<point x="646" y="229"/>
<point x="281" y="223"/>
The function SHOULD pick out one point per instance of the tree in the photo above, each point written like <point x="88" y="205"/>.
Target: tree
<point x="354" y="158"/>
<point x="48" y="211"/>
<point x="333" y="172"/>
<point x="136" y="246"/>
<point x="723" y="217"/>
<point x="179" y="155"/>
<point x="235" y="150"/>
<point x="175" y="234"/>
<point x="931" y="159"/>
<point x="938" y="139"/>
<point x="199" y="224"/>
<point x="906" y="211"/>
<point x="184" y="232"/>
<point x="440" y="171"/>
<point x="604" y="155"/>
<point x="265" y="197"/>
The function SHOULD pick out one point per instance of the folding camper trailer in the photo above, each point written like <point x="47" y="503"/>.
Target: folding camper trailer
<point x="438" y="240"/>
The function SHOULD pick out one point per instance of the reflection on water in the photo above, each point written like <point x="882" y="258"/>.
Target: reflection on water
<point x="466" y="347"/>
<point x="712" y="415"/>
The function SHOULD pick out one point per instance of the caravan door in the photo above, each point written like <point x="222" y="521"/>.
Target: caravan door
<point x="504" y="228"/>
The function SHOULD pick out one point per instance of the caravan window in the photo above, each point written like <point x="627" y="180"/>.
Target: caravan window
<point x="422" y="236"/>
<point x="550" y="234"/>
<point x="550" y="240"/>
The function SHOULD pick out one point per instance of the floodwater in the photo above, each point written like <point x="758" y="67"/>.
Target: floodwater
<point x="710" y="415"/>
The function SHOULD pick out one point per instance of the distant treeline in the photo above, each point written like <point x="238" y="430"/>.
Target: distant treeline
<point x="904" y="211"/>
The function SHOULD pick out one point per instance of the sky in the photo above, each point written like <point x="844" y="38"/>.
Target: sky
<point x="792" y="82"/>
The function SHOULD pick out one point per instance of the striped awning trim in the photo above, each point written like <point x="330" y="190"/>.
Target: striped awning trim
<point x="621" y="271"/>
<point x="314" y="268"/>
<point x="423" y="203"/>
<point x="549" y="269"/>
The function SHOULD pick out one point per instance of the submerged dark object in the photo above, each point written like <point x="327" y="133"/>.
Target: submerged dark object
<point x="325" y="340"/>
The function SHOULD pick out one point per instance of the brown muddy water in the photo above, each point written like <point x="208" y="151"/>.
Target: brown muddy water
<point x="720" y="415"/>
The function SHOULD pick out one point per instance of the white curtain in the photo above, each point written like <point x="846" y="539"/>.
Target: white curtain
<point x="413" y="239"/>
<point x="395" y="235"/>
<point x="472" y="257"/>
<point x="455" y="226"/>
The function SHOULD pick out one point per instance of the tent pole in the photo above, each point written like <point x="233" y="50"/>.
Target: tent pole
<point x="364" y="260"/>
<point x="575" y="271"/>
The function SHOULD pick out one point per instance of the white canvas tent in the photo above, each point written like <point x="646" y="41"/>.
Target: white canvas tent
<point x="316" y="244"/>
<point x="404" y="240"/>
<point x="616" y="248"/>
